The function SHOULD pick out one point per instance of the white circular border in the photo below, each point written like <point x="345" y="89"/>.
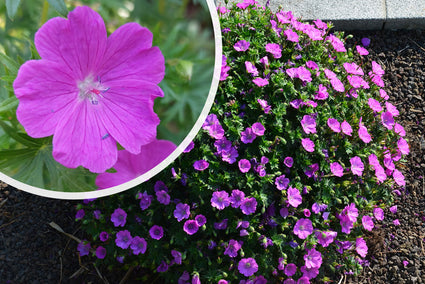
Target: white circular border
<point x="166" y="162"/>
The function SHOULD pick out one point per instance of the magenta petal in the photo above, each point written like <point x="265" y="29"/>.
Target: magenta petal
<point x="43" y="89"/>
<point x="128" y="113"/>
<point x="130" y="166"/>
<point x="129" y="48"/>
<point x="81" y="139"/>
<point x="78" y="42"/>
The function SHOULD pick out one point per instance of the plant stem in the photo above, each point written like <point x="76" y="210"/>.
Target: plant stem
<point x="44" y="12"/>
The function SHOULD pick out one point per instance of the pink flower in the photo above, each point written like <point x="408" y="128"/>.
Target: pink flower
<point x="346" y="128"/>
<point x="303" y="228"/>
<point x="281" y="182"/>
<point x="247" y="266"/>
<point x="241" y="45"/>
<point x="322" y="93"/>
<point x="325" y="238"/>
<point x="383" y="94"/>
<point x="224" y="69"/>
<point x="361" y="50"/>
<point x="337" y="169"/>
<point x="274" y="49"/>
<point x="248" y="205"/>
<point x="244" y="165"/>
<point x="100" y="252"/>
<point x="201" y="165"/>
<point x="403" y="146"/>
<point x="260" y="82"/>
<point x="190" y="227"/>
<point x="374" y="105"/>
<point x="334" y="125"/>
<point x="337" y="44"/>
<point x="220" y="199"/>
<point x="308" y="144"/>
<point x="258" y="129"/>
<point x="90" y="91"/>
<point x="357" y="82"/>
<point x="399" y="130"/>
<point x="399" y="178"/>
<point x="301" y="72"/>
<point x="367" y="223"/>
<point x="396" y="222"/>
<point x="313" y="258"/>
<point x="232" y="248"/>
<point x="377" y="69"/>
<point x="393" y="209"/>
<point x="392" y="109"/>
<point x="250" y="68"/>
<point x="130" y="166"/>
<point x="361" y="247"/>
<point x="364" y="134"/>
<point x="291" y="35"/>
<point x="378" y="213"/>
<point x="353" y="68"/>
<point x="309" y="124"/>
<point x="387" y="120"/>
<point x="264" y="105"/>
<point x="294" y="197"/>
<point x="357" y="166"/>
<point x="123" y="239"/>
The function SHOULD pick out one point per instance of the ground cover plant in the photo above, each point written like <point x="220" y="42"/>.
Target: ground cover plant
<point x="298" y="158"/>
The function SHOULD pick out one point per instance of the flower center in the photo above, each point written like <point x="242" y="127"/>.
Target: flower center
<point x="91" y="89"/>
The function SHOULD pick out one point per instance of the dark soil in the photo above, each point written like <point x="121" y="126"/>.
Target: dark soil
<point x="31" y="251"/>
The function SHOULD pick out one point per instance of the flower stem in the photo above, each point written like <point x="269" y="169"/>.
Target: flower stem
<point x="44" y="12"/>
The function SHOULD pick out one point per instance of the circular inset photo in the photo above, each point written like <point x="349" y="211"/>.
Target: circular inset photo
<point x="99" y="96"/>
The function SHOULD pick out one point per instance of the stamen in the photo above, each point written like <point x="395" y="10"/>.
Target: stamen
<point x="91" y="90"/>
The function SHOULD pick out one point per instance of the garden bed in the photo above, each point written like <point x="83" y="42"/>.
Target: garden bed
<point x="31" y="251"/>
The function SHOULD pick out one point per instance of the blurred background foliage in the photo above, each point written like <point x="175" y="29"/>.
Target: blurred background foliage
<point x="183" y="31"/>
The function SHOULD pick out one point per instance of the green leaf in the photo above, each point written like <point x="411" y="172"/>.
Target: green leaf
<point x="8" y="104"/>
<point x="59" y="6"/>
<point x="12" y="7"/>
<point x="9" y="63"/>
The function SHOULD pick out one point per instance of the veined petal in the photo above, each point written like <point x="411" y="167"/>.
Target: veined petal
<point x="43" y="89"/>
<point x="129" y="55"/>
<point x="128" y="112"/>
<point x="130" y="166"/>
<point x="78" y="42"/>
<point x="82" y="139"/>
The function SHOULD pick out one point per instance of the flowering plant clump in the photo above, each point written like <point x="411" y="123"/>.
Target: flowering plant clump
<point x="294" y="164"/>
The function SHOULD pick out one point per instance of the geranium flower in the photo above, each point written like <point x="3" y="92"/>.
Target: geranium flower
<point x="123" y="239"/>
<point x="308" y="144"/>
<point x="232" y="248"/>
<point x="378" y="213"/>
<point x="361" y="50"/>
<point x="244" y="165"/>
<point x="281" y="182"/>
<point x="313" y="258"/>
<point x="83" y="248"/>
<point x="200" y="220"/>
<point x="247" y="266"/>
<point x="353" y="68"/>
<point x="130" y="166"/>
<point x="103" y="236"/>
<point x="288" y="161"/>
<point x="334" y="125"/>
<point x="156" y="232"/>
<point x="291" y="35"/>
<point x="357" y="166"/>
<point x="361" y="247"/>
<point x="182" y="211"/>
<point x="260" y="82"/>
<point x="274" y="49"/>
<point x="241" y="45"/>
<point x="248" y="205"/>
<point x="258" y="129"/>
<point x="220" y="199"/>
<point x="367" y="223"/>
<point x="294" y="197"/>
<point x="325" y="238"/>
<point x="201" y="165"/>
<point x="177" y="256"/>
<point x="90" y="91"/>
<point x="190" y="227"/>
<point x="138" y="245"/>
<point x="387" y="120"/>
<point x="337" y="169"/>
<point x="248" y="136"/>
<point x="119" y="217"/>
<point x="250" y="68"/>
<point x="303" y="228"/>
<point x="236" y="198"/>
<point x="290" y="269"/>
<point x="309" y="124"/>
<point x="403" y="146"/>
<point x="100" y="252"/>
<point x="374" y="105"/>
<point x="322" y="93"/>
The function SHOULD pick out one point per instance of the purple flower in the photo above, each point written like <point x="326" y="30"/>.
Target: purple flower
<point x="317" y="208"/>
<point x="220" y="199"/>
<point x="129" y="166"/>
<point x="313" y="258"/>
<point x="403" y="146"/>
<point x="145" y="200"/>
<point x="97" y="214"/>
<point x="399" y="130"/>
<point x="281" y="182"/>
<point x="264" y="105"/>
<point x="396" y="222"/>
<point x="387" y="120"/>
<point x="399" y="178"/>
<point x="216" y="131"/>
<point x="123" y="239"/>
<point x="222" y="145"/>
<point x="361" y="247"/>
<point x="177" y="256"/>
<point x="189" y="147"/>
<point x="290" y="269"/>
<point x="163" y="267"/>
<point x="363" y="134"/>
<point x="210" y="121"/>
<point x="138" y="245"/>
<point x="247" y="136"/>
<point x="103" y="236"/>
<point x="274" y="49"/>
<point x="119" y="217"/>
<point x="393" y="209"/>
<point x="241" y="45"/>
<point x="367" y="223"/>
<point x="357" y="166"/>
<point x="163" y="197"/>
<point x="258" y="129"/>
<point x="288" y="161"/>
<point x="346" y="128"/>
<point x="221" y="225"/>
<point x="378" y="213"/>
<point x="200" y="220"/>
<point x="308" y="144"/>
<point x="229" y="156"/>
<point x="201" y="165"/>
<point x="291" y="35"/>
<point x="307" y="212"/>
<point x="182" y="211"/>
<point x="300" y="72"/>
<point x="392" y="109"/>
<point x="244" y="165"/>
<point x="250" y="68"/>
<point x="260" y="82"/>
<point x="337" y="169"/>
<point x="156" y="232"/>
<point x="337" y="44"/>
<point x="79" y="215"/>
<point x="190" y="227"/>
<point x="374" y="105"/>
<point x="184" y="277"/>
<point x="365" y="41"/>
<point x="83" y="248"/>
<point x="303" y="228"/>
<point x="247" y="266"/>
<point x="309" y="124"/>
<point x="322" y="93"/>
<point x="232" y="248"/>
<point x="311" y="170"/>
<point x="224" y="69"/>
<point x="325" y="238"/>
<point x="334" y="125"/>
<point x="100" y="252"/>
<point x="248" y="205"/>
<point x="236" y="198"/>
<point x="73" y="91"/>
<point x="294" y="197"/>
